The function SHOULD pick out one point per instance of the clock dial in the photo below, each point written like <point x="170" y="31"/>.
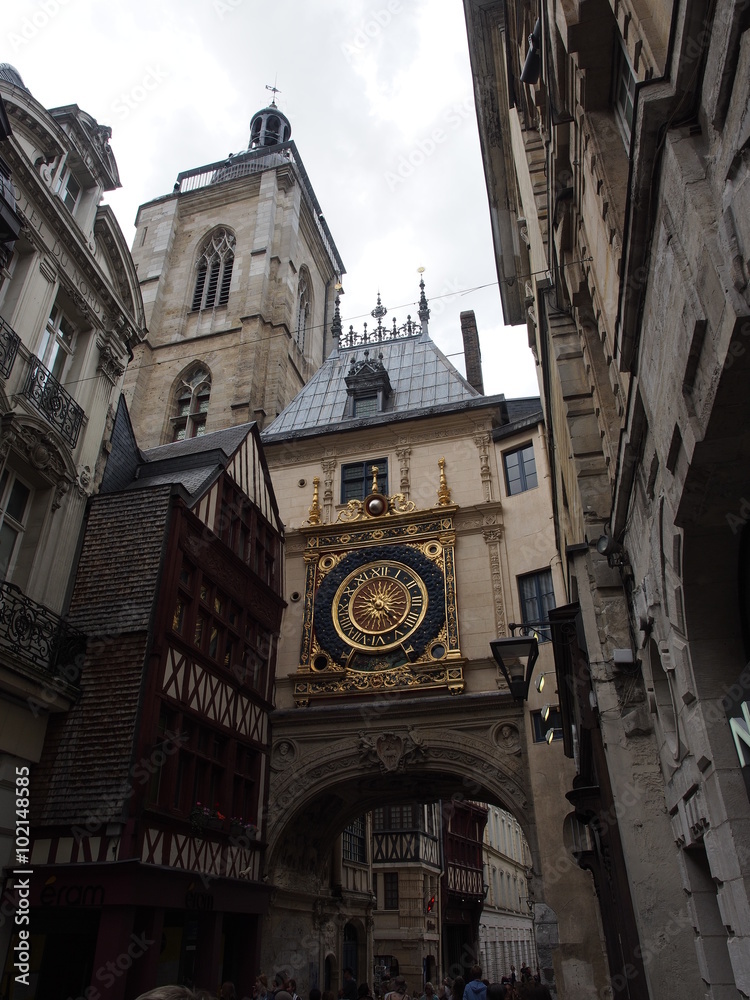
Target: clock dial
<point x="384" y="603"/>
<point x="379" y="606"/>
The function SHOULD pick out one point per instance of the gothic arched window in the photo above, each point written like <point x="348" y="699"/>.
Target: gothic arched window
<point x="192" y="396"/>
<point x="303" y="309"/>
<point x="214" y="271"/>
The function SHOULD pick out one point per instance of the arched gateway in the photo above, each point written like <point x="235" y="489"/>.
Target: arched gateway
<point x="415" y="531"/>
<point x="333" y="763"/>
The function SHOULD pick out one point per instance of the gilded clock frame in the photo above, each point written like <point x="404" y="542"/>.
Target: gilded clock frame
<point x="367" y="541"/>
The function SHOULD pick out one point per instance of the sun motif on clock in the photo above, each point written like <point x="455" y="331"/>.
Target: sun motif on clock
<point x="387" y="600"/>
<point x="378" y="606"/>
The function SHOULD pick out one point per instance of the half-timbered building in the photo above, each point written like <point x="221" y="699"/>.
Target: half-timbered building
<point x="151" y="793"/>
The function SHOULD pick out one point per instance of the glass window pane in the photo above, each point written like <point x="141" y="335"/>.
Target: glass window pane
<point x="365" y="406"/>
<point x="8" y="537"/>
<point x="19" y="497"/>
<point x="67" y="331"/>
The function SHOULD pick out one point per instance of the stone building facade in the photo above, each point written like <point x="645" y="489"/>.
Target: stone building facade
<point x="237" y="267"/>
<point x="406" y="867"/>
<point x="615" y="139"/>
<point x="70" y="316"/>
<point x="506" y="930"/>
<point x="390" y="417"/>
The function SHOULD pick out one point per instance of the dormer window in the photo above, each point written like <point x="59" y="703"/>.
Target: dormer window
<point x="365" y="406"/>
<point x="368" y="387"/>
<point x="68" y="187"/>
<point x="70" y="193"/>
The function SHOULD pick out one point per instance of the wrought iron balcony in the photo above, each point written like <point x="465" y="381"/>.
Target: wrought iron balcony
<point x="9" y="341"/>
<point x="38" y="638"/>
<point x="52" y="401"/>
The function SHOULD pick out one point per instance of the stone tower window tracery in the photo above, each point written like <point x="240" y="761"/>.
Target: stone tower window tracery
<point x="192" y="396"/>
<point x="303" y="309"/>
<point x="214" y="271"/>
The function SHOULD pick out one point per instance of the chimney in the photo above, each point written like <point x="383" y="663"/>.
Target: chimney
<point x="472" y="354"/>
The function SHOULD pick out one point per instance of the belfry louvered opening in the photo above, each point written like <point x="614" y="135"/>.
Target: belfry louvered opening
<point x="214" y="271"/>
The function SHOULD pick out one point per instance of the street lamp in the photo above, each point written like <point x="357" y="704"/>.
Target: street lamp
<point x="516" y="656"/>
<point x="539" y="682"/>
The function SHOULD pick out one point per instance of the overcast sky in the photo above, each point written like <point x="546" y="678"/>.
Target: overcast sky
<point x="379" y="96"/>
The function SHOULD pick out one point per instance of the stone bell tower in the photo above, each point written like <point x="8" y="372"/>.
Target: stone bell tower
<point x="238" y="272"/>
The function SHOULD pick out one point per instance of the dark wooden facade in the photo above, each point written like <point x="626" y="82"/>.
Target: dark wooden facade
<point x="151" y="795"/>
<point x="462" y="884"/>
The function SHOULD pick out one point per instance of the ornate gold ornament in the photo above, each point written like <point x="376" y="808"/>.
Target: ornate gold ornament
<point x="380" y="600"/>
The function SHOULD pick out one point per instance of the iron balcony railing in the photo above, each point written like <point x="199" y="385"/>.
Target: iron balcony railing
<point x="39" y="638"/>
<point x="53" y="402"/>
<point x="254" y="161"/>
<point x="9" y="341"/>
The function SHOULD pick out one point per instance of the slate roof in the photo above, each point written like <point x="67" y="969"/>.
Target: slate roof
<point x="422" y="378"/>
<point x="193" y="464"/>
<point x="526" y="411"/>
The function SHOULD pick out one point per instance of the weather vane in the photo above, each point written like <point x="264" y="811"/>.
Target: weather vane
<point x="275" y="90"/>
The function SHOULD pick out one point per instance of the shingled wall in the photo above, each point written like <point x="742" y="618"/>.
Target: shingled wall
<point x="84" y="774"/>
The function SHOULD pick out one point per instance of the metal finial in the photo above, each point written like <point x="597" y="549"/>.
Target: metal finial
<point x="374" y="471"/>
<point x="424" y="309"/>
<point x="379" y="311"/>
<point x="336" y="324"/>
<point x="314" y="513"/>
<point x="276" y="91"/>
<point x="444" y="493"/>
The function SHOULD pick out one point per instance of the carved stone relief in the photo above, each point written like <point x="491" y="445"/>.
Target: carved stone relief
<point x="492" y="537"/>
<point x="482" y="441"/>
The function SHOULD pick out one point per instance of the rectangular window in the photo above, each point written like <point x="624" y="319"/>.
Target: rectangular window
<point x="624" y="91"/>
<point x="542" y="726"/>
<point x="15" y="497"/>
<point x="70" y="193"/>
<point x="537" y="598"/>
<point x="354" y="842"/>
<point x="58" y="343"/>
<point x="365" y="406"/>
<point x="390" y="890"/>
<point x="520" y="470"/>
<point x="356" y="479"/>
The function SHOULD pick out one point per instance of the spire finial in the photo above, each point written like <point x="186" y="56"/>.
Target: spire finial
<point x="336" y="324"/>
<point x="313" y="516"/>
<point x="424" y="309"/>
<point x="444" y="493"/>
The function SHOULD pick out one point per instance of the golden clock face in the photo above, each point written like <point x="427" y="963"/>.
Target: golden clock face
<point x="378" y="606"/>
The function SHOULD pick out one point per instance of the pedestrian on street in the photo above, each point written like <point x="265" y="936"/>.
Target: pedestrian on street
<point x="349" y="988"/>
<point x="475" y="989"/>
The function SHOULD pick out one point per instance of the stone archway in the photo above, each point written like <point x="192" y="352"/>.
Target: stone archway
<point x="330" y="764"/>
